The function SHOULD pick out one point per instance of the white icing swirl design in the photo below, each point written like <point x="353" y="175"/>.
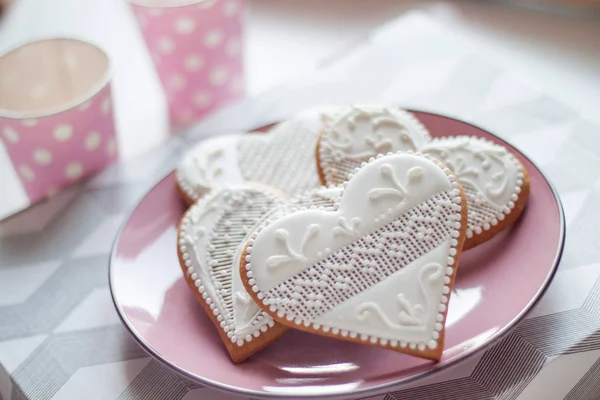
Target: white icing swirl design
<point x="491" y="176"/>
<point x="211" y="236"/>
<point x="362" y="200"/>
<point x="211" y="163"/>
<point x="413" y="316"/>
<point x="283" y="158"/>
<point x="384" y="244"/>
<point x="366" y="130"/>
<point x="488" y="167"/>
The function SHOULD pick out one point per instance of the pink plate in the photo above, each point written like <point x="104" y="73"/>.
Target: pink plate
<point x="156" y="305"/>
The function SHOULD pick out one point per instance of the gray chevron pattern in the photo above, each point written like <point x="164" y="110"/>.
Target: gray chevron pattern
<point x="507" y="368"/>
<point x="59" y="294"/>
<point x="47" y="348"/>
<point x="42" y="374"/>
<point x="588" y="386"/>
<point x="156" y="383"/>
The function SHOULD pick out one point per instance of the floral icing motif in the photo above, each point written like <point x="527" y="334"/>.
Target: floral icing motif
<point x="364" y="131"/>
<point x="209" y="164"/>
<point x="490" y="168"/>
<point x="355" y="202"/>
<point x="413" y="316"/>
<point x="398" y="190"/>
<point x="366" y="255"/>
<point x="491" y="177"/>
<point x="209" y="244"/>
<point x="283" y="236"/>
<point x="347" y="228"/>
<point x="257" y="157"/>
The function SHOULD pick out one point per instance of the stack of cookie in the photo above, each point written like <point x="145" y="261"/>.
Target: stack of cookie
<point x="346" y="222"/>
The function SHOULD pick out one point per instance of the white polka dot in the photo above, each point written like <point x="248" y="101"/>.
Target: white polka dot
<point x="194" y="62"/>
<point x="92" y="141"/>
<point x="38" y="92"/>
<point x="11" y="135"/>
<point x="63" y="133"/>
<point x="42" y="157"/>
<point x="218" y="76"/>
<point x="26" y="172"/>
<point x="213" y="38"/>
<point x="202" y="99"/>
<point x="105" y="106"/>
<point x="231" y="8"/>
<point x="73" y="170"/>
<point x="177" y="82"/>
<point x="85" y="106"/>
<point x="166" y="45"/>
<point x="111" y="147"/>
<point x="29" y="122"/>
<point x="185" y="25"/>
<point x="233" y="46"/>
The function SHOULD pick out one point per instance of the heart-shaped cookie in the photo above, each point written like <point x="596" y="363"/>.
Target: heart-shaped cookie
<point x="211" y="236"/>
<point x="496" y="183"/>
<point x="210" y="241"/>
<point x="283" y="158"/>
<point x="377" y="268"/>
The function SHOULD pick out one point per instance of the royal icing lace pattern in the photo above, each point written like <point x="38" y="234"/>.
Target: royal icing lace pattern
<point x="365" y="131"/>
<point x="282" y="158"/>
<point x="211" y="163"/>
<point x="491" y="176"/>
<point x="210" y="242"/>
<point x="324" y="269"/>
<point x="322" y="198"/>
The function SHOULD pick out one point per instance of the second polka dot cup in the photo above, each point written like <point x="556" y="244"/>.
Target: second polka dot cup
<point x="196" y="46"/>
<point x="56" y="119"/>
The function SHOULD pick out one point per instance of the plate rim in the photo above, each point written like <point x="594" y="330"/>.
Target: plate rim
<point x="371" y="390"/>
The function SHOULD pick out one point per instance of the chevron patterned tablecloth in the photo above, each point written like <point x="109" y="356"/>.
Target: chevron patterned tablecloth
<point x="60" y="337"/>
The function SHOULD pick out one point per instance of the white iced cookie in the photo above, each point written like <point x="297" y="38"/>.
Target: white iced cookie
<point x="211" y="238"/>
<point x="283" y="158"/>
<point x="323" y="198"/>
<point x="377" y="268"/>
<point x="495" y="183"/>
<point x="211" y="163"/>
<point x="361" y="132"/>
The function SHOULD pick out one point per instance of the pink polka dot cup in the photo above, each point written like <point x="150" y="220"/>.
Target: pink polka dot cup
<point x="56" y="119"/>
<point x="196" y="46"/>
